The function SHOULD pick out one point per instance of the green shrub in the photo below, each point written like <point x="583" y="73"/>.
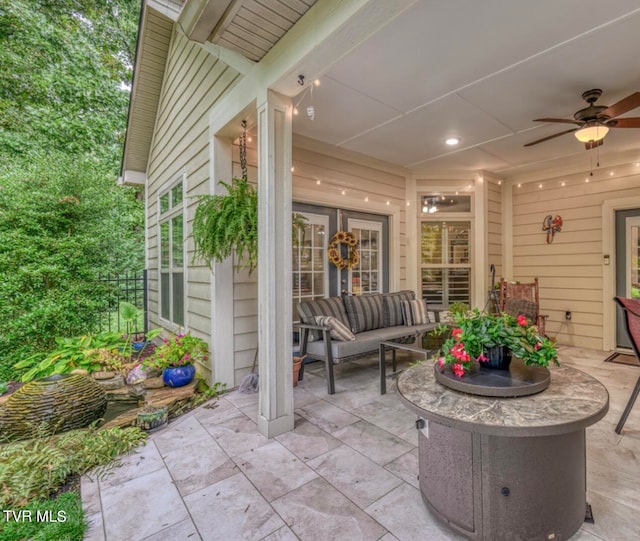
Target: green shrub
<point x="85" y="352"/>
<point x="63" y="223"/>
<point x="36" y="468"/>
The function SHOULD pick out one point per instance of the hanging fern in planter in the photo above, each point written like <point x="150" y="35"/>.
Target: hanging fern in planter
<point x="227" y="222"/>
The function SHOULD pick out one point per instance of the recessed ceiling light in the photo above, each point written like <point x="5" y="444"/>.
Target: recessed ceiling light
<point x="452" y="141"/>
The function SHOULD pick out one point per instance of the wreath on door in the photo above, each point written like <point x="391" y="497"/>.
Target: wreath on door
<point x="334" y="250"/>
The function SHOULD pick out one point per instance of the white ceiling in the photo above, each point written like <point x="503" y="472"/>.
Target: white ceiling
<point x="481" y="70"/>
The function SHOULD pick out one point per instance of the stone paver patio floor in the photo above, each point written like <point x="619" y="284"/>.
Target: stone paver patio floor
<point x="348" y="471"/>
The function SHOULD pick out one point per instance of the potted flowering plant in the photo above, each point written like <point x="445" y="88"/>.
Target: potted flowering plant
<point x="175" y="357"/>
<point x="475" y="336"/>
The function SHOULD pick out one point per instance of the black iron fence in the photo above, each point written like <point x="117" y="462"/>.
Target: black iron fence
<point x="130" y="287"/>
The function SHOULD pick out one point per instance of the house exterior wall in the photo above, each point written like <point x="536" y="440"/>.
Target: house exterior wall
<point x="361" y="178"/>
<point x="193" y="82"/>
<point x="494" y="227"/>
<point x="570" y="269"/>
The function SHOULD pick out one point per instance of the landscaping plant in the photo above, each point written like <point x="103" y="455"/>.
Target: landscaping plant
<point x="38" y="467"/>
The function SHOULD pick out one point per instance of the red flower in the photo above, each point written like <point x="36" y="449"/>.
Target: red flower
<point x="537" y="346"/>
<point x="483" y="358"/>
<point x="440" y="362"/>
<point x="522" y="321"/>
<point x="458" y="369"/>
<point x="456" y="333"/>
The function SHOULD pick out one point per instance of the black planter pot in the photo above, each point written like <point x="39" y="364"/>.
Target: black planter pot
<point x="499" y="358"/>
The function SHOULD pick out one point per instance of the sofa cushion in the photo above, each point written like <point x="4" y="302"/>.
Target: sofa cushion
<point x="339" y="331"/>
<point x="392" y="310"/>
<point x="365" y="312"/>
<point x="414" y="312"/>
<point x="332" y="306"/>
<point x="365" y="342"/>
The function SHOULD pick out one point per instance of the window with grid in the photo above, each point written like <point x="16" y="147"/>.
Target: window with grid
<point x="445" y="262"/>
<point x="172" y="254"/>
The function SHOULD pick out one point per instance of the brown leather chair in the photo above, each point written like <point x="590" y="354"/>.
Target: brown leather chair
<point x="522" y="299"/>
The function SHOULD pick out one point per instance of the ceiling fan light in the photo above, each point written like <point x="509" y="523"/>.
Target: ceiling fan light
<point x="591" y="133"/>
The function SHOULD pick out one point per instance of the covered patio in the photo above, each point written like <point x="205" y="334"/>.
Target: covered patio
<point x="347" y="470"/>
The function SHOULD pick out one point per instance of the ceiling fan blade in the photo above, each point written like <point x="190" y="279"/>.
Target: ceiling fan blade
<point x="624" y="105"/>
<point x="631" y="122"/>
<point x="550" y="137"/>
<point x="563" y="120"/>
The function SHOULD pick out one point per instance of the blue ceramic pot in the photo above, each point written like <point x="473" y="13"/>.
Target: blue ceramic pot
<point x="178" y="376"/>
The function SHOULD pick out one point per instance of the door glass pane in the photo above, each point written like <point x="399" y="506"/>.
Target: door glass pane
<point x="431" y="243"/>
<point x="309" y="263"/>
<point x="366" y="277"/>
<point x="177" y="244"/>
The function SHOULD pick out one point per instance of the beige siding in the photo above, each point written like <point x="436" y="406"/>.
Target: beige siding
<point x="494" y="227"/>
<point x="570" y="268"/>
<point x="192" y="84"/>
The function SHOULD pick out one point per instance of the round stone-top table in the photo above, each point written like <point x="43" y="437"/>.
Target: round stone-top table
<point x="505" y="468"/>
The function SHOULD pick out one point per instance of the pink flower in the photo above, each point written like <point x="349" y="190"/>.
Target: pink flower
<point x="440" y="362"/>
<point x="186" y="357"/>
<point x="483" y="358"/>
<point x="537" y="346"/>
<point x="458" y="369"/>
<point x="522" y="321"/>
<point x="456" y="333"/>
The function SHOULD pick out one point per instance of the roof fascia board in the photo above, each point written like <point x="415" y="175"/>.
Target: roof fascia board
<point x="323" y="35"/>
<point x="231" y="58"/>
<point x="199" y="18"/>
<point x="168" y="9"/>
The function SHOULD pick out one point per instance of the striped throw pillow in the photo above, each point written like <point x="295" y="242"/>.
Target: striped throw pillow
<point x="365" y="312"/>
<point x="414" y="312"/>
<point x="339" y="331"/>
<point x="392" y="314"/>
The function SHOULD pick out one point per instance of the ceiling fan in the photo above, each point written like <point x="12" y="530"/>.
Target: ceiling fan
<point x="593" y="122"/>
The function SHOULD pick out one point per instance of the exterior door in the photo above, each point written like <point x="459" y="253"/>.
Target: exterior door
<point x="627" y="265"/>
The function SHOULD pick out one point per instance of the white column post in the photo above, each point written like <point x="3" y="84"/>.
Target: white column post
<point x="222" y="355"/>
<point x="275" y="413"/>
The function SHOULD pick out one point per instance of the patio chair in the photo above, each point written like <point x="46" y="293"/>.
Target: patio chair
<point x="522" y="299"/>
<point x="631" y="311"/>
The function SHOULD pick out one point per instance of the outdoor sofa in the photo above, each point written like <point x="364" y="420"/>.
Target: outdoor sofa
<point x="340" y="329"/>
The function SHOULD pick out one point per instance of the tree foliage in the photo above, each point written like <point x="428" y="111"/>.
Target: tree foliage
<point x="63" y="222"/>
<point x="65" y="73"/>
<point x="65" y="66"/>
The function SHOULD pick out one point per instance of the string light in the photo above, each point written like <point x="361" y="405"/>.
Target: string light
<point x="293" y="168"/>
<point x="344" y="192"/>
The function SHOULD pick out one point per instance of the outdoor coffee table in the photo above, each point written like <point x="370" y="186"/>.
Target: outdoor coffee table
<point x="414" y="342"/>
